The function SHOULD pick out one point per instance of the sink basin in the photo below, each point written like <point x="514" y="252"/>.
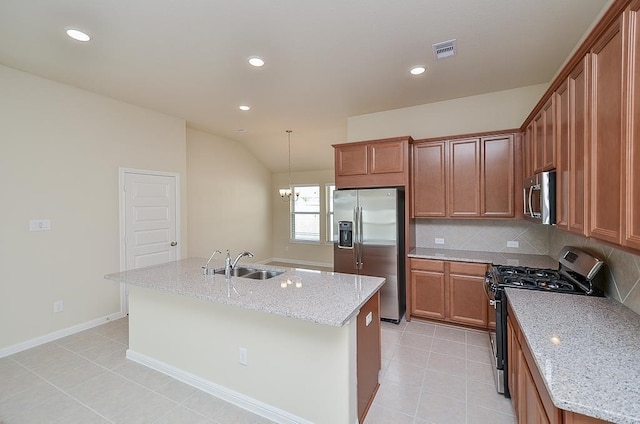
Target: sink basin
<point x="263" y="274"/>
<point x="253" y="273"/>
<point x="239" y="271"/>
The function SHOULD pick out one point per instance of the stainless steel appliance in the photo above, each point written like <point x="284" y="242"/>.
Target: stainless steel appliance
<point x="576" y="275"/>
<point x="369" y="240"/>
<point x="539" y="194"/>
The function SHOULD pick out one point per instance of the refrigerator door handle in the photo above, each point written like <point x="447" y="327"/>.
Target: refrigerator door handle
<point x="360" y="238"/>
<point x="356" y="246"/>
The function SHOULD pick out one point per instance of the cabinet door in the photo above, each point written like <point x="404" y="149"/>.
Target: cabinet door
<point x="513" y="355"/>
<point x="549" y="161"/>
<point x="538" y="142"/>
<point x="464" y="178"/>
<point x="578" y="152"/>
<point x="428" y="294"/>
<point x="606" y="136"/>
<point x="527" y="150"/>
<point x="467" y="299"/>
<point x="562" y="144"/>
<point x="498" y="176"/>
<point x="351" y="160"/>
<point x="632" y="150"/>
<point x="369" y="353"/>
<point x="534" y="409"/>
<point x="387" y="157"/>
<point x="429" y="180"/>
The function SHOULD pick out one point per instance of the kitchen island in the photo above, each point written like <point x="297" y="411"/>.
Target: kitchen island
<point x="288" y="348"/>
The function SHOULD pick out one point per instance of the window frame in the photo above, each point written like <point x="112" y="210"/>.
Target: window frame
<point x="293" y="213"/>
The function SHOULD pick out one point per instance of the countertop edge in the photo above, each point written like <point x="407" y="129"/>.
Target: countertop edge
<point x="120" y="277"/>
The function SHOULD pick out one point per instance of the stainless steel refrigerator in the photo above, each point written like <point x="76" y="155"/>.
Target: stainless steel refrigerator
<point x="368" y="229"/>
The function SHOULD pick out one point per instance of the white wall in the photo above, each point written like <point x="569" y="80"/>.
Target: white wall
<point x="282" y="248"/>
<point x="486" y="112"/>
<point x="230" y="196"/>
<point x="60" y="150"/>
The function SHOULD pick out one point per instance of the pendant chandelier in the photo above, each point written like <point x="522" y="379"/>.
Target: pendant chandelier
<point x="286" y="193"/>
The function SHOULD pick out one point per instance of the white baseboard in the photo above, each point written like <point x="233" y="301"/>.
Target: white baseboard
<point x="58" y="334"/>
<point x="224" y="393"/>
<point x="297" y="262"/>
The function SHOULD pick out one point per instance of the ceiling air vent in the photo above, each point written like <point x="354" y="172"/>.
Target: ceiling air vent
<point x="444" y="49"/>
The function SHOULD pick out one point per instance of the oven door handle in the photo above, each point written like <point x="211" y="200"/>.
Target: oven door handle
<point x="485" y="286"/>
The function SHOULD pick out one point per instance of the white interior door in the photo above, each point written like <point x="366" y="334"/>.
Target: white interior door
<point x="149" y="212"/>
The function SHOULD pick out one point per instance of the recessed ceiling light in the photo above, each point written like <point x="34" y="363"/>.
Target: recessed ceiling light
<point x="78" y="35"/>
<point x="417" y="70"/>
<point x="256" y="61"/>
<point x="244" y="107"/>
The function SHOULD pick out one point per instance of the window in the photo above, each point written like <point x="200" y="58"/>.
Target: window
<point x="305" y="214"/>
<point x="329" y="189"/>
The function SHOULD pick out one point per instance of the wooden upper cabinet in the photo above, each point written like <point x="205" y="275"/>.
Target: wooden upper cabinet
<point x="632" y="149"/>
<point x="578" y="148"/>
<point x="562" y="145"/>
<point x="538" y="143"/>
<point x="374" y="163"/>
<point x="549" y="159"/>
<point x="607" y="136"/>
<point x="498" y="176"/>
<point x="544" y="155"/>
<point x="464" y="178"/>
<point x="528" y="151"/>
<point x="352" y="160"/>
<point x="429" y="179"/>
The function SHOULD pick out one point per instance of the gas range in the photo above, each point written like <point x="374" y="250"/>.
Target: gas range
<point x="575" y="275"/>
<point x="533" y="279"/>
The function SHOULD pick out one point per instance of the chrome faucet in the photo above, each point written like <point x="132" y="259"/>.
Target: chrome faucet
<point x="205" y="269"/>
<point x="229" y="266"/>
<point x="235" y="261"/>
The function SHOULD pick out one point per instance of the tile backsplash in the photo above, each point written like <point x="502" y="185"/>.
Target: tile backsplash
<point x="483" y="235"/>
<point x="621" y="274"/>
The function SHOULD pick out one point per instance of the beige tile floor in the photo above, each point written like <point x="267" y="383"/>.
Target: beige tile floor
<point x="431" y="374"/>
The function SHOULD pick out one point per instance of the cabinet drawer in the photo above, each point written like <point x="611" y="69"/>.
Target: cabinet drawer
<point x="467" y="268"/>
<point x="427" y="265"/>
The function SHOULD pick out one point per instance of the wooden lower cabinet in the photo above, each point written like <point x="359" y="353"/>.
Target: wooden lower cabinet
<point x="531" y="401"/>
<point x="369" y="361"/>
<point x="449" y="291"/>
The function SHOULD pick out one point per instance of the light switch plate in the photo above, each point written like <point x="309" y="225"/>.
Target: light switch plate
<point x="439" y="240"/>
<point x="513" y="243"/>
<point x="40" y="225"/>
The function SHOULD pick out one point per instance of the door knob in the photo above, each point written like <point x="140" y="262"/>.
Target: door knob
<point x="174" y="243"/>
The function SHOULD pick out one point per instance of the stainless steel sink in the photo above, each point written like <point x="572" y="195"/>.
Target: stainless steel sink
<point x="263" y="274"/>
<point x="253" y="273"/>
<point x="239" y="271"/>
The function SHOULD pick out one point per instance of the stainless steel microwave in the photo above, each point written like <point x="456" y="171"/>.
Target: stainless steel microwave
<point x="540" y="198"/>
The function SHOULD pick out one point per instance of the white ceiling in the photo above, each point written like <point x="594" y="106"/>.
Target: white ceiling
<point x="326" y="60"/>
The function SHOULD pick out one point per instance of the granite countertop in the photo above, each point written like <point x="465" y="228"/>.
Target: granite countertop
<point x="323" y="297"/>
<point x="495" y="258"/>
<point x="587" y="350"/>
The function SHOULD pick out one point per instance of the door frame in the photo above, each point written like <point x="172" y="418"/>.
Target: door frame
<point x="122" y="172"/>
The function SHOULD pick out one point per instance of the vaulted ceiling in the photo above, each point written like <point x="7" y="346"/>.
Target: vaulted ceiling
<point x="325" y="60"/>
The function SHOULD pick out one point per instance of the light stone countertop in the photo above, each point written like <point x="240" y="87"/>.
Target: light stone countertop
<point x="323" y="297"/>
<point x="594" y="370"/>
<point x="496" y="258"/>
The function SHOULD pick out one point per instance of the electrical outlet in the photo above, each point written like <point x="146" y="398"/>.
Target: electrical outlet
<point x="513" y="243"/>
<point x="58" y="306"/>
<point x="439" y="240"/>
<point x="243" y="356"/>
<point x="40" y="225"/>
